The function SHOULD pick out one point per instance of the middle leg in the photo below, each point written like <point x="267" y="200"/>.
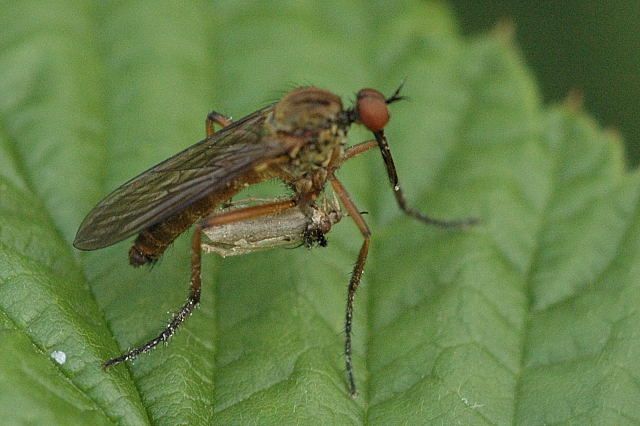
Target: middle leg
<point x="356" y="276"/>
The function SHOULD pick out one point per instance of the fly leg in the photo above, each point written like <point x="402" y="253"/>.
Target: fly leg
<point x="216" y="118"/>
<point x="356" y="276"/>
<point x="355" y="150"/>
<point x="381" y="142"/>
<point x="397" y="191"/>
<point x="179" y="317"/>
<point x="246" y="213"/>
<point x="196" y="265"/>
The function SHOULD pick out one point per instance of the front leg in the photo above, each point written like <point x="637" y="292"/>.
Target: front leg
<point x="397" y="190"/>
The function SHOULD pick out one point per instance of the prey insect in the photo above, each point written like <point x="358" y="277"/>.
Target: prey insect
<point x="300" y="140"/>
<point x="290" y="229"/>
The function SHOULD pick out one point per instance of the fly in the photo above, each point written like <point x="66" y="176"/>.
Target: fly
<point x="300" y="140"/>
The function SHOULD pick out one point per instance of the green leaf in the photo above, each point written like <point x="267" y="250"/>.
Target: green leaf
<point x="528" y="318"/>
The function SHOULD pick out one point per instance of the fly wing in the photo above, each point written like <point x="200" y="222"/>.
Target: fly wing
<point x="174" y="184"/>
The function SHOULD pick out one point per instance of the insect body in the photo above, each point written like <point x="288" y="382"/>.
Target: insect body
<point x="300" y="140"/>
<point x="290" y="228"/>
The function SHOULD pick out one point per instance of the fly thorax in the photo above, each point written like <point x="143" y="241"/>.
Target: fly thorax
<point x="306" y="109"/>
<point x="310" y="165"/>
<point x="318" y="150"/>
<point x="310" y="117"/>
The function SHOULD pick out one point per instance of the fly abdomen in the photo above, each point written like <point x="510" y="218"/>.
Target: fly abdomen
<point x="153" y="241"/>
<point x="146" y="249"/>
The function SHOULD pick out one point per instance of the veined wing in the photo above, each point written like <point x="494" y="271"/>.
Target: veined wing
<point x="174" y="184"/>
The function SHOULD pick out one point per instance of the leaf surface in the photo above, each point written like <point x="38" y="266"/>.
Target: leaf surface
<point x="528" y="318"/>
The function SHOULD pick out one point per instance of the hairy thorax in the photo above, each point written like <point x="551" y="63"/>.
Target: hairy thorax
<point x="311" y="119"/>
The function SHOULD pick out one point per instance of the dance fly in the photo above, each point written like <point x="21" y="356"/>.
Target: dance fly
<point x="300" y="140"/>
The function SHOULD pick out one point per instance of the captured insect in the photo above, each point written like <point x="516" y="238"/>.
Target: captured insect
<point x="301" y="140"/>
<point x="290" y="228"/>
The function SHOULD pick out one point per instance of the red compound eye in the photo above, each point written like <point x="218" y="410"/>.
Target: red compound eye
<point x="372" y="110"/>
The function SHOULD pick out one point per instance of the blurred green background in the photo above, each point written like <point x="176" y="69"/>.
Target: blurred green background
<point x="589" y="46"/>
